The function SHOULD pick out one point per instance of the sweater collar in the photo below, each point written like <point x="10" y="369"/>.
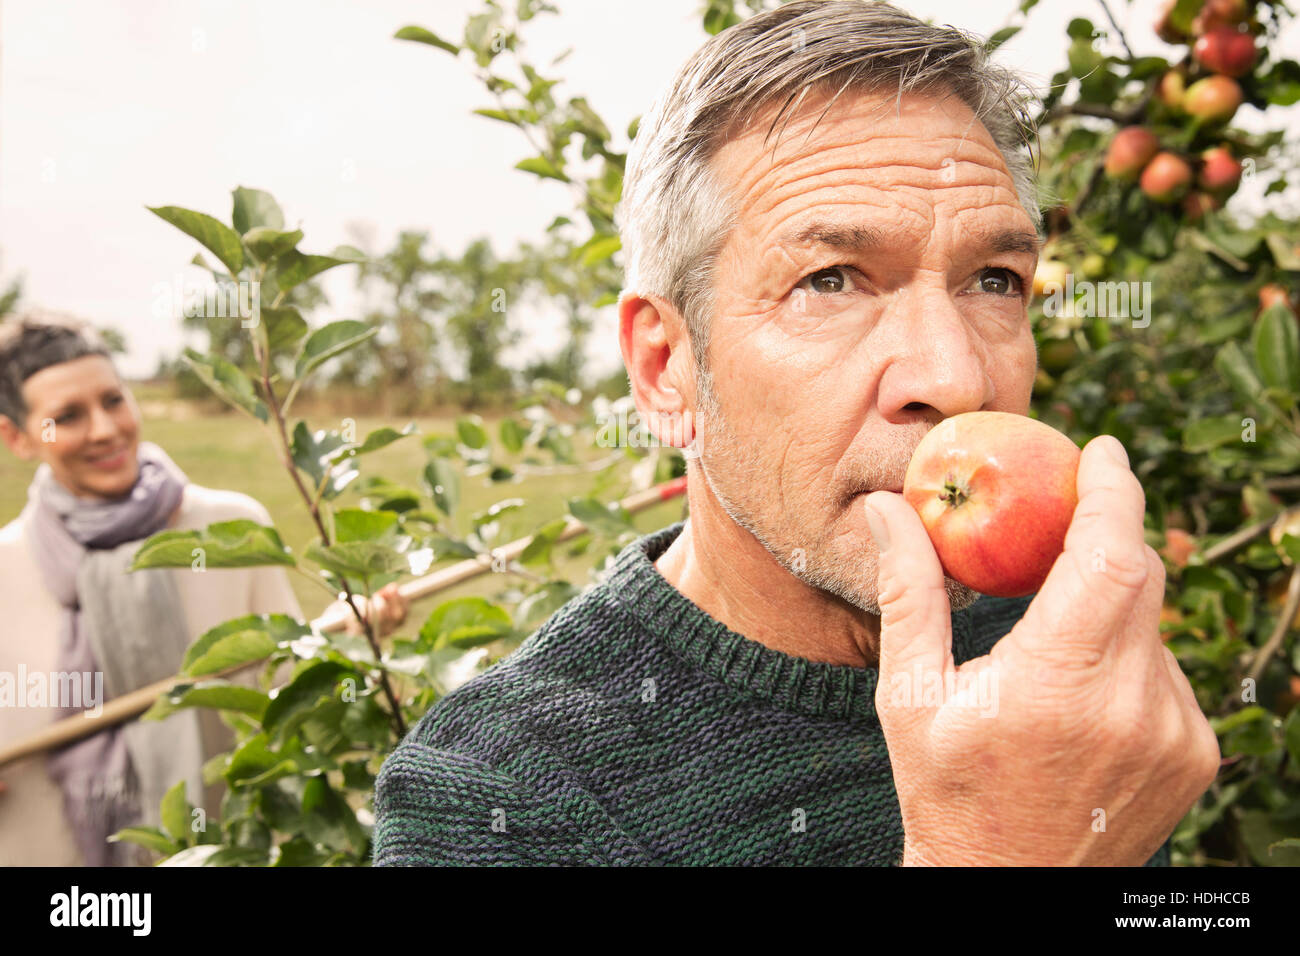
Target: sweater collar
<point x="813" y="688"/>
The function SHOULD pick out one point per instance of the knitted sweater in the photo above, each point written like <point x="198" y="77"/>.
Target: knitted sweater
<point x="634" y="729"/>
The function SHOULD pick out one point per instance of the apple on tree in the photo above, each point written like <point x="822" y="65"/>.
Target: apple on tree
<point x="1166" y="178"/>
<point x="1130" y="150"/>
<point x="1225" y="50"/>
<point x="1220" y="170"/>
<point x="1213" y="100"/>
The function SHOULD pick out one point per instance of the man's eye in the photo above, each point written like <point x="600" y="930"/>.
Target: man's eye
<point x="997" y="281"/>
<point x="826" y="281"/>
<point x="112" y="400"/>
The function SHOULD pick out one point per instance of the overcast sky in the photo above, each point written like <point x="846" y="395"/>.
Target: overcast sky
<point x="106" y="107"/>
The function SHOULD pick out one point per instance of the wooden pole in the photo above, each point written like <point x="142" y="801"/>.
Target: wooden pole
<point x="133" y="704"/>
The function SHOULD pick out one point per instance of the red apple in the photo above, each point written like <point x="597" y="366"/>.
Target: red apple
<point x="1220" y="171"/>
<point x="996" y="493"/>
<point x="1130" y="150"/>
<point x="1213" y="99"/>
<point x="1225" y="50"/>
<point x="1197" y="204"/>
<point x="1179" y="547"/>
<point x="1219" y="13"/>
<point x="1166" y="178"/>
<point x="1171" y="88"/>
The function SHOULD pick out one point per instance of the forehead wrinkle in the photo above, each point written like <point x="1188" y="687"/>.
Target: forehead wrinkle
<point x="795" y="174"/>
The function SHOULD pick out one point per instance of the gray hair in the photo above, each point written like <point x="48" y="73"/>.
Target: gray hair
<point x="674" y="217"/>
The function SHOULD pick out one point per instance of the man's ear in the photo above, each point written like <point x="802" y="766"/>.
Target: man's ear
<point x="660" y="366"/>
<point x="16" y="439"/>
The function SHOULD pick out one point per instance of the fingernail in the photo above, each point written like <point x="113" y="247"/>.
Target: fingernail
<point x="1117" y="451"/>
<point x="876" y="524"/>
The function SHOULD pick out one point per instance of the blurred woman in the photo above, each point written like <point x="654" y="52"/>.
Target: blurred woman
<point x="78" y="629"/>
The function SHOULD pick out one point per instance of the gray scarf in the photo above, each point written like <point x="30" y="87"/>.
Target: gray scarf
<point x="129" y="626"/>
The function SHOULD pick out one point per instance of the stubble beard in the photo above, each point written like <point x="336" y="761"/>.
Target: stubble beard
<point x="832" y="562"/>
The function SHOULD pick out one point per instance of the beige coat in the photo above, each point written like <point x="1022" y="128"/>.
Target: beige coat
<point x="32" y="829"/>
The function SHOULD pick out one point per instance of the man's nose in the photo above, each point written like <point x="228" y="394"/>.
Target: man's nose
<point x="938" y="364"/>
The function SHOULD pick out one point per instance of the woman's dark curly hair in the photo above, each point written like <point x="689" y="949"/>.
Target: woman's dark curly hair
<point x="31" y="343"/>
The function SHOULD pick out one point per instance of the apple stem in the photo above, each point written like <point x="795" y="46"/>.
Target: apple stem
<point x="953" y="494"/>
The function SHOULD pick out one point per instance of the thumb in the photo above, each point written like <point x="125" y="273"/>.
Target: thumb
<point x="915" y="616"/>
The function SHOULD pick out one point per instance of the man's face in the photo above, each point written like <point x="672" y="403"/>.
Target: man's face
<point x="82" y="422"/>
<point x="877" y="282"/>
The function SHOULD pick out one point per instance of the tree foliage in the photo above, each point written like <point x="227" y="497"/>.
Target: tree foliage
<point x="1198" y="374"/>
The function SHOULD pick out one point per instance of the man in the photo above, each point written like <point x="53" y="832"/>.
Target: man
<point x="830" y="234"/>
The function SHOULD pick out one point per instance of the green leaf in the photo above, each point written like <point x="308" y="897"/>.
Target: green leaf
<point x="362" y="559"/>
<point x="470" y="431"/>
<point x="254" y="763"/>
<point x="542" y="167"/>
<point x="597" y="517"/>
<point x="496" y="510"/>
<point x="444" y="485"/>
<point x="267" y="244"/>
<point x="294" y="267"/>
<point x="151" y="838"/>
<point x="421" y="35"/>
<point x="226" y="544"/>
<point x="1290" y="546"/>
<point x="377" y="439"/>
<point x="254" y="209"/>
<point x="1236" y="369"/>
<point x="331" y="340"/>
<point x="208" y="854"/>
<point x="513" y="117"/>
<point x="1281" y="84"/>
<point x="239" y="647"/>
<point x="231" y="384"/>
<point x="538" y="549"/>
<point x="1210" y="433"/>
<point x="1246" y="715"/>
<point x="1084" y="60"/>
<point x="512" y="434"/>
<point x="1261" y="830"/>
<point x="315" y="455"/>
<point x="598" y="249"/>
<point x="284" y="327"/>
<point x="480" y="31"/>
<point x="296" y="699"/>
<point x="214" y="694"/>
<point x="175" y="812"/>
<point x="1277" y="349"/>
<point x="327" y="818"/>
<point x="465" y="622"/>
<point x="380" y="494"/>
<point x="212" y="234"/>
<point x="355" y="524"/>
<point x="999" y="38"/>
<point x="1080" y="29"/>
<point x="299" y="851"/>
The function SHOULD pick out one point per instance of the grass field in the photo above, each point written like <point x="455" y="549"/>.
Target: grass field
<point x="230" y="451"/>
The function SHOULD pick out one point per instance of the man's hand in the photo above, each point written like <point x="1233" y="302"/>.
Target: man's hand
<point x="387" y="611"/>
<point x="1094" y="747"/>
